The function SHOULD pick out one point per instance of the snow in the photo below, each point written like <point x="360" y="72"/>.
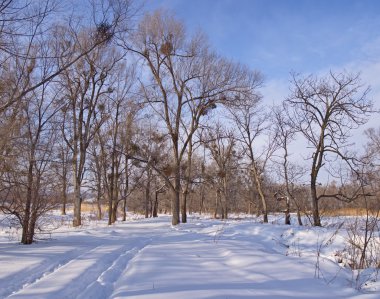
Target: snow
<point x="205" y="258"/>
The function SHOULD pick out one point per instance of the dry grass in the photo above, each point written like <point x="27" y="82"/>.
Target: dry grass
<point x="88" y="207"/>
<point x="348" y="212"/>
<point x="92" y="207"/>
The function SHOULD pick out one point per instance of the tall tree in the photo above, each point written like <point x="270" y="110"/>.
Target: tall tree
<point x="86" y="89"/>
<point x="30" y="190"/>
<point x="25" y="26"/>
<point x="117" y="135"/>
<point x="290" y="173"/>
<point x="62" y="171"/>
<point x="325" y="110"/>
<point x="185" y="80"/>
<point x="252" y="124"/>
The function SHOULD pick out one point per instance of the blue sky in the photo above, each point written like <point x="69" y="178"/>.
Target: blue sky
<point x="279" y="36"/>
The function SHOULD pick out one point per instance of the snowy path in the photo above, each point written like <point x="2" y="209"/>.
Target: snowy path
<point x="150" y="259"/>
<point x="81" y="265"/>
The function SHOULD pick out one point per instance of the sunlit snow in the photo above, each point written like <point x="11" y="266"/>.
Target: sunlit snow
<point x="205" y="258"/>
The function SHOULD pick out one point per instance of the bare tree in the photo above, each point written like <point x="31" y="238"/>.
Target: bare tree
<point x="62" y="171"/>
<point x="26" y="25"/>
<point x="291" y="173"/>
<point x="117" y="138"/>
<point x="18" y="40"/>
<point x="221" y="144"/>
<point x="251" y="121"/>
<point x="158" y="190"/>
<point x="95" y="166"/>
<point x="22" y="23"/>
<point x="20" y="51"/>
<point x="86" y="89"/>
<point x="188" y="167"/>
<point x="325" y="110"/>
<point x="186" y="80"/>
<point x="130" y="178"/>
<point x="30" y="190"/>
<point x="153" y="147"/>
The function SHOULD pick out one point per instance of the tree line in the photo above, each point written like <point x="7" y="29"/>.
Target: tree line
<point x="136" y="113"/>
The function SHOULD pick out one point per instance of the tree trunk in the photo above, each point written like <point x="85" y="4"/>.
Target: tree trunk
<point x="155" y="205"/>
<point x="99" y="195"/>
<point x="225" y="195"/>
<point x="64" y="195"/>
<point x="176" y="197"/>
<point x="185" y="192"/>
<point x="111" y="200"/>
<point x="253" y="198"/>
<point x="124" y="209"/>
<point x="261" y="193"/>
<point x="114" y="211"/>
<point x="126" y="189"/>
<point x="202" y="199"/>
<point x="184" y="206"/>
<point x="64" y="180"/>
<point x="201" y="205"/>
<point x="115" y="199"/>
<point x="175" y="207"/>
<point x="32" y="227"/>
<point x="77" y="221"/>
<point x="177" y="186"/>
<point x="217" y="200"/>
<point x="314" y="204"/>
<point x="98" y="190"/>
<point x="25" y="238"/>
<point x="99" y="210"/>
<point x="287" y="211"/>
<point x="147" y="195"/>
<point x="110" y="204"/>
<point x="299" y="217"/>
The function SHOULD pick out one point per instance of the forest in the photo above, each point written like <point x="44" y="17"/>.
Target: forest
<point x="103" y="105"/>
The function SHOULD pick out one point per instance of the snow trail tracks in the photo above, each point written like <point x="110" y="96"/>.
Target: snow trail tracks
<point x="150" y="259"/>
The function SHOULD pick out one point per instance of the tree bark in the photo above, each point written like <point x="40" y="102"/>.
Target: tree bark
<point x="177" y="195"/>
<point x="316" y="166"/>
<point x="64" y="195"/>
<point x="225" y="195"/>
<point x="25" y="238"/>
<point x="126" y="189"/>
<point x="155" y="205"/>
<point x="77" y="221"/>
<point x="261" y="193"/>
<point x="287" y="211"/>
<point x="202" y="199"/>
<point x="147" y="194"/>
<point x="314" y="204"/>
<point x="115" y="202"/>
<point x="64" y="182"/>
<point x="184" y="206"/>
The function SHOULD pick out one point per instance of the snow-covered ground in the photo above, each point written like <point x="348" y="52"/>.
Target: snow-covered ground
<point x="205" y="258"/>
